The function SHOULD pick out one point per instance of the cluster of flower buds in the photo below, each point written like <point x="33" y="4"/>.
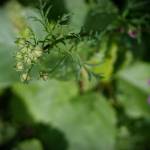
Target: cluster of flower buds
<point x="44" y="76"/>
<point x="28" y="54"/>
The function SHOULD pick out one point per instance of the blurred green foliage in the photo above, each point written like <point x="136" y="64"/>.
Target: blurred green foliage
<point x="108" y="113"/>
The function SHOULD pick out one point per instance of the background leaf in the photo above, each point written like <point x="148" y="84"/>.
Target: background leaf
<point x="134" y="90"/>
<point x="82" y="119"/>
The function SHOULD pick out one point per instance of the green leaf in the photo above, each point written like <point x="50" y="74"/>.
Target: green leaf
<point x="41" y="97"/>
<point x="8" y="74"/>
<point x="106" y="67"/>
<point x="7" y="34"/>
<point x="7" y="132"/>
<point x="100" y="16"/>
<point x="32" y="144"/>
<point x="88" y="121"/>
<point x="134" y="90"/>
<point x="78" y="9"/>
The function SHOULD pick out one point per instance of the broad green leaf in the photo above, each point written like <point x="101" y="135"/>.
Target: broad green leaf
<point x="100" y="16"/>
<point x="138" y="75"/>
<point x="39" y="98"/>
<point x="134" y="90"/>
<point x="105" y="66"/>
<point x="88" y="121"/>
<point x="32" y="144"/>
<point x="8" y="74"/>
<point x="7" y="34"/>
<point x="78" y="10"/>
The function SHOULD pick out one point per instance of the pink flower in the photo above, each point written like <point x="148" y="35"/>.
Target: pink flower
<point x="132" y="34"/>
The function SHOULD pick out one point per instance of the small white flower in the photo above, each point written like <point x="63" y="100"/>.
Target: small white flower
<point x="19" y="56"/>
<point x="44" y="76"/>
<point x="25" y="77"/>
<point x="34" y="59"/>
<point x="29" y="51"/>
<point x="30" y="55"/>
<point x="24" y="50"/>
<point x="28" y="60"/>
<point x="37" y="52"/>
<point x="20" y="43"/>
<point x="19" y="66"/>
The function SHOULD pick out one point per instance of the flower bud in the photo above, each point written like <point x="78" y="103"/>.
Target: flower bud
<point x="37" y="52"/>
<point x="44" y="76"/>
<point x="19" y="56"/>
<point x="28" y="60"/>
<point x="24" y="50"/>
<point x="25" y="77"/>
<point x="19" y="66"/>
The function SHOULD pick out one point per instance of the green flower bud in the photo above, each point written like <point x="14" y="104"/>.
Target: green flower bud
<point x="37" y="52"/>
<point x="28" y="60"/>
<point x="19" y="55"/>
<point x="20" y="42"/>
<point x="44" y="76"/>
<point x="24" y="50"/>
<point x="19" y="66"/>
<point x="25" y="77"/>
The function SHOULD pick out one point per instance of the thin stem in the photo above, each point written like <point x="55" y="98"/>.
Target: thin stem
<point x="60" y="40"/>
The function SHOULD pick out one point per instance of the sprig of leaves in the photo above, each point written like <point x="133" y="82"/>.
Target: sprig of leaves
<point x="58" y="40"/>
